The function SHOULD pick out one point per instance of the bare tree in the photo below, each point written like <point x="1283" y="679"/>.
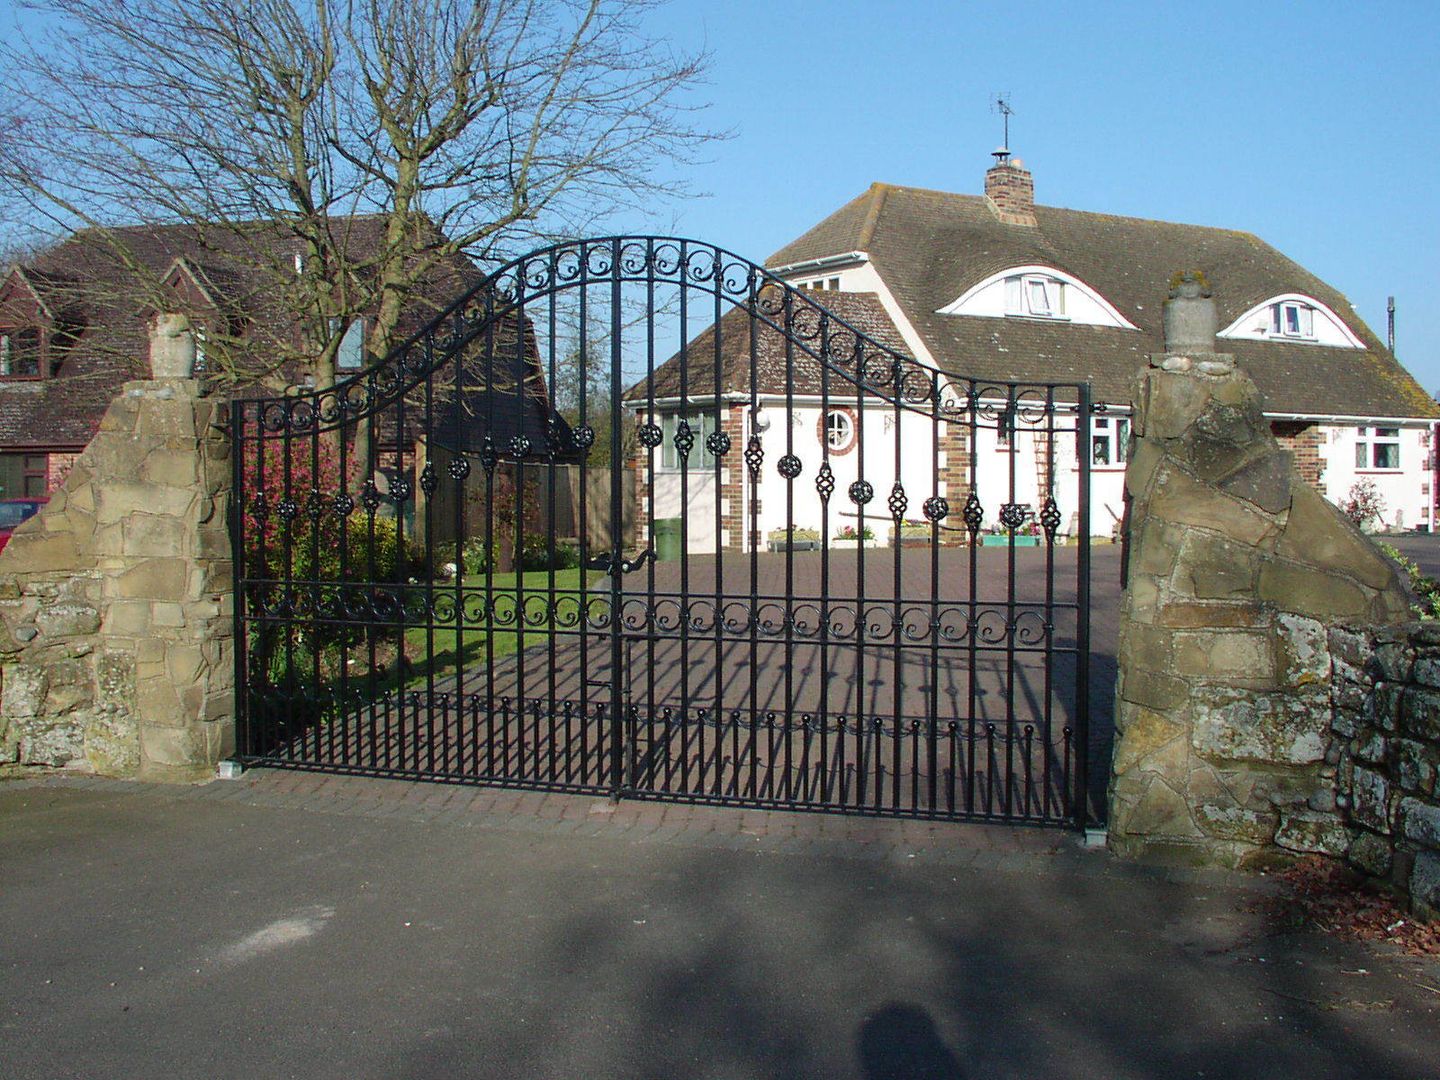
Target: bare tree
<point x="451" y="126"/>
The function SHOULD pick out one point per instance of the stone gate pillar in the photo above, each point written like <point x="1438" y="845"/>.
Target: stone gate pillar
<point x="1235" y="568"/>
<point x="117" y="643"/>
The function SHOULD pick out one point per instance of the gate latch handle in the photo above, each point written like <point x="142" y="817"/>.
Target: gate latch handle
<point x="613" y="564"/>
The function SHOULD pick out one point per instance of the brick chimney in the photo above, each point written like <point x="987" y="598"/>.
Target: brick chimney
<point x="1011" y="190"/>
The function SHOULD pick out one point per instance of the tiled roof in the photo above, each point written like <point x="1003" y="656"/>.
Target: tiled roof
<point x="101" y="305"/>
<point x="775" y="367"/>
<point x="931" y="246"/>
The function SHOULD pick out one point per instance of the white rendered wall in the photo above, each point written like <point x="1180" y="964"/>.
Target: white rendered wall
<point x="697" y="506"/>
<point x="1405" y="490"/>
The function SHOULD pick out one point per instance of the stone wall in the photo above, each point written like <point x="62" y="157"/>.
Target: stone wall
<point x="1386" y="725"/>
<point x="1236" y="570"/>
<point x="115" y="601"/>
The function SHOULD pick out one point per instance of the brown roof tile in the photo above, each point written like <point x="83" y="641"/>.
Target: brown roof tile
<point x="931" y="246"/>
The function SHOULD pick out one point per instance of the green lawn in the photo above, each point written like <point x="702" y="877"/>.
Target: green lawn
<point x="436" y="649"/>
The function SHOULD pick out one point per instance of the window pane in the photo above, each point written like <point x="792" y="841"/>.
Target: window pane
<point x="1122" y="441"/>
<point x="1012" y="295"/>
<point x="1039" y="300"/>
<point x="1307" y="322"/>
<point x="351" y="355"/>
<point x="835" y="283"/>
<point x="1362" y="455"/>
<point x="34" y="487"/>
<point x="1292" y="319"/>
<point x="1100" y="450"/>
<point x="1275" y="319"/>
<point x="1387" y="455"/>
<point x="1387" y="433"/>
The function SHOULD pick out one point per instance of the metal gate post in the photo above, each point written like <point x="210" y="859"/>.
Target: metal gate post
<point x="618" y="725"/>
<point x="1082" y="624"/>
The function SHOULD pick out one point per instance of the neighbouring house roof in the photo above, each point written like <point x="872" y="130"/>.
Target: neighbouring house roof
<point x="778" y="363"/>
<point x="99" y="289"/>
<point x="929" y="247"/>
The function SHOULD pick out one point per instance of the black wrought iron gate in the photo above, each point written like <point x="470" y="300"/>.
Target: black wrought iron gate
<point x="633" y="516"/>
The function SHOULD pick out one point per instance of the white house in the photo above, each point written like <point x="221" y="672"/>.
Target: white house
<point x="994" y="291"/>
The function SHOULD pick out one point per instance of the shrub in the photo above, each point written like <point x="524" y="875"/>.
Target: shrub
<point x="535" y="554"/>
<point x="1426" y="589"/>
<point x="1363" y="504"/>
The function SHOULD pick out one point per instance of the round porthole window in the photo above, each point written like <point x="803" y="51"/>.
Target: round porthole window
<point x="839" y="430"/>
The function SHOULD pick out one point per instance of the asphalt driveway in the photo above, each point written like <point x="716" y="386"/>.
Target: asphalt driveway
<point x="288" y="925"/>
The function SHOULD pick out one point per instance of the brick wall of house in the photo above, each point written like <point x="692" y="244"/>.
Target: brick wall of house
<point x="58" y="468"/>
<point x="955" y="475"/>
<point x="1303" y="440"/>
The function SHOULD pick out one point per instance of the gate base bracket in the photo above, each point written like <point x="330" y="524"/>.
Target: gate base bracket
<point x="1095" y="838"/>
<point x="229" y="770"/>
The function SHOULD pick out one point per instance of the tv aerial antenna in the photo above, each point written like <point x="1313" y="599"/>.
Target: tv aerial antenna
<point x="1001" y="105"/>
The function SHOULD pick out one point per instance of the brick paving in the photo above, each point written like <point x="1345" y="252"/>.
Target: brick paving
<point x="976" y="846"/>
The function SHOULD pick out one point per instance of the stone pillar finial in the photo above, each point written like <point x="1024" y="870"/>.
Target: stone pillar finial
<point x="1190" y="320"/>
<point x="172" y="347"/>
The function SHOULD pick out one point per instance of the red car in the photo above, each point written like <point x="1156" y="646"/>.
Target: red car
<point x="13" y="512"/>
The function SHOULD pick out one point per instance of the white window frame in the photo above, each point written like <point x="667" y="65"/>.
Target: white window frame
<point x="1115" y="438"/>
<point x="1369" y="441"/>
<point x="1020" y="296"/>
<point x="848" y="436"/>
<point x="702" y="425"/>
<point x="1303" y="316"/>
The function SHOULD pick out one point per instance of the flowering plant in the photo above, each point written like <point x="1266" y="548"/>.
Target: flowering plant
<point x="849" y="533"/>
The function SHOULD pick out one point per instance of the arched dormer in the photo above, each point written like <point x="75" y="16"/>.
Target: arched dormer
<point x="1038" y="292"/>
<point x="1296" y="318"/>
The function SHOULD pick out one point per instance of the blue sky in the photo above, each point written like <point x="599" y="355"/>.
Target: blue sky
<point x="1311" y="125"/>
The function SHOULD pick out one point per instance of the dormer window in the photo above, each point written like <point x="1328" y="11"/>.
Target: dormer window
<point x="21" y="353"/>
<point x="1037" y="292"/>
<point x="1034" y="295"/>
<point x="1293" y="319"/>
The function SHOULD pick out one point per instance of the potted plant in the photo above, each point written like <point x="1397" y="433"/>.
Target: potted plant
<point x="912" y="534"/>
<point x="850" y="537"/>
<point x="794" y="539"/>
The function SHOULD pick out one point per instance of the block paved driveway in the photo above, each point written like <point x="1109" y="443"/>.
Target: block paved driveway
<point x="894" y="677"/>
<point x="294" y="925"/>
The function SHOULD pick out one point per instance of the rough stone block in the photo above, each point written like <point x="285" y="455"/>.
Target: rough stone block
<point x="1145" y="732"/>
<point x="1318" y="534"/>
<point x="158" y="704"/>
<point x="52" y="744"/>
<point x="1393" y="660"/>
<point x="1370" y="746"/>
<point x="33" y="553"/>
<point x="184" y="664"/>
<point x="167" y="615"/>
<point x="189" y="746"/>
<point x="1265" y="482"/>
<point x="1421" y="822"/>
<point x="1182" y="500"/>
<point x="1427" y="671"/>
<point x="1272" y="728"/>
<point x="1147" y="648"/>
<point x="112" y="744"/>
<point x="1237" y="655"/>
<point x="1292" y="587"/>
<point x="1370" y="799"/>
<point x="1415" y="765"/>
<point x="172" y="468"/>
<point x="1384" y="706"/>
<point x="24" y="690"/>
<point x="1160" y="811"/>
<point x="66" y="620"/>
<point x="1425" y="884"/>
<point x="1419" y="713"/>
<point x="1213" y="568"/>
<point x="1311" y="832"/>
<point x="127" y="618"/>
<point x="1227" y="821"/>
<point x="154" y="579"/>
<point x="1372" y="854"/>
<point x="1153" y="690"/>
<point x="1189" y="615"/>
<point x="154" y="536"/>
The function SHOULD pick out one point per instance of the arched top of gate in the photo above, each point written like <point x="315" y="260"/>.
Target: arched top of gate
<point x="820" y="335"/>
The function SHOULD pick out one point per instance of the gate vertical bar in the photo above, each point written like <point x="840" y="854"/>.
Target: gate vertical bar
<point x="1082" y="620"/>
<point x="618" y="712"/>
<point x="243" y="734"/>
